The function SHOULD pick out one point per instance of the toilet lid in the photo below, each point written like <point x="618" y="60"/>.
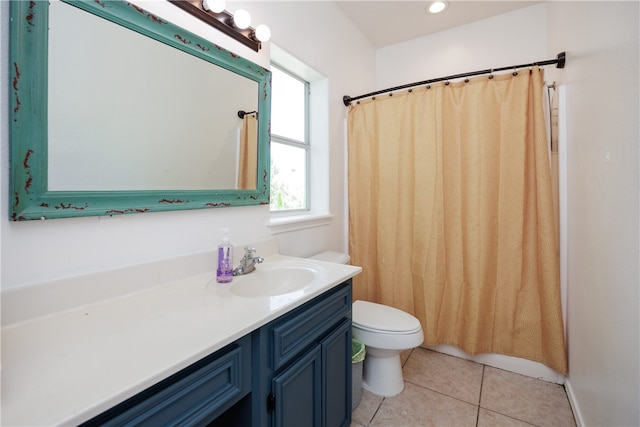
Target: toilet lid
<point x="377" y="317"/>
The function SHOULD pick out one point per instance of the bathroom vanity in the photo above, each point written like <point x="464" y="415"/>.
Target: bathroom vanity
<point x="294" y="371"/>
<point x="187" y="352"/>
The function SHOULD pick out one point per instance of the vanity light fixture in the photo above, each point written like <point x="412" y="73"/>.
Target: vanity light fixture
<point x="236" y="26"/>
<point x="215" y="6"/>
<point x="263" y="33"/>
<point x="242" y="19"/>
<point x="437" y="6"/>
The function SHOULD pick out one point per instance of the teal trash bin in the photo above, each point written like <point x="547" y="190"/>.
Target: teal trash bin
<point x="358" y="353"/>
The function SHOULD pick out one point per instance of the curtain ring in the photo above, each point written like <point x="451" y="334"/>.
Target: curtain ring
<point x="515" y="73"/>
<point x="428" y="86"/>
<point x="446" y="83"/>
<point x="466" y="79"/>
<point x="410" y="90"/>
<point x="390" y="93"/>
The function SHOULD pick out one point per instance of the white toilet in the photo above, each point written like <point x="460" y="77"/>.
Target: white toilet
<point x="385" y="332"/>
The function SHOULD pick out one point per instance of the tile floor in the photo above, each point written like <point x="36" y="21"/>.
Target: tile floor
<point x="442" y="390"/>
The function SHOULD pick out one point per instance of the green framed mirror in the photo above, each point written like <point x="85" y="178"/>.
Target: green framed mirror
<point x="95" y="130"/>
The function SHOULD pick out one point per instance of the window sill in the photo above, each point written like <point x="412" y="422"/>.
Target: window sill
<point x="284" y="224"/>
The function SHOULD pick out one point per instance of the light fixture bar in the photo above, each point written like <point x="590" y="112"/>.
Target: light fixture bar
<point x="222" y="21"/>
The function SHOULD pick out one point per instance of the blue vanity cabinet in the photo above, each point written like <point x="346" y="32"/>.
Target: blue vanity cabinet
<point x="304" y="373"/>
<point x="194" y="396"/>
<point x="294" y="371"/>
<point x="313" y="390"/>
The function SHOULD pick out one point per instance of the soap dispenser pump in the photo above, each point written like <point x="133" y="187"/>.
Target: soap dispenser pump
<point x="224" y="274"/>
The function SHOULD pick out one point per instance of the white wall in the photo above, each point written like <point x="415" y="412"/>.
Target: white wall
<point x="602" y="138"/>
<point x="40" y="251"/>
<point x="517" y="37"/>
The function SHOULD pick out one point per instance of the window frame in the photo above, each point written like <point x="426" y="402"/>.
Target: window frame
<point x="304" y="145"/>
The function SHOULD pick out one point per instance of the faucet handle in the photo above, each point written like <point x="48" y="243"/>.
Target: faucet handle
<point x="249" y="251"/>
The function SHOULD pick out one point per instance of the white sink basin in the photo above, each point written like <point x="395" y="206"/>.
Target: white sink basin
<point x="278" y="278"/>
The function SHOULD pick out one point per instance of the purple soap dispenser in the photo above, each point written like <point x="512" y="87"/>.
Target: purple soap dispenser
<point x="224" y="274"/>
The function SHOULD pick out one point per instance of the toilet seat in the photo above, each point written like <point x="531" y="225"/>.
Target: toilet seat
<point x="330" y="256"/>
<point x="369" y="316"/>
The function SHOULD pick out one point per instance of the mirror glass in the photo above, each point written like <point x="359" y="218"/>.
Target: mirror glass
<point x="135" y="78"/>
<point x="130" y="114"/>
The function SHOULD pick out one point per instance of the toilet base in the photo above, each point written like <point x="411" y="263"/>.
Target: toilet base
<point x="382" y="373"/>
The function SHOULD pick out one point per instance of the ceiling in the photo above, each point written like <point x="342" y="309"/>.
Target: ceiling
<point x="385" y="23"/>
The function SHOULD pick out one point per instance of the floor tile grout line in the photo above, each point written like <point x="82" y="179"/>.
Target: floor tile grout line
<point x="377" y="410"/>
<point x="511" y="417"/>
<point x="440" y="393"/>
<point x="407" y="359"/>
<point x="480" y="395"/>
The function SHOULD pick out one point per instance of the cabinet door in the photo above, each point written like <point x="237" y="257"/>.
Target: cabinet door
<point x="305" y="326"/>
<point x="192" y="397"/>
<point x="297" y="392"/>
<point x="336" y="368"/>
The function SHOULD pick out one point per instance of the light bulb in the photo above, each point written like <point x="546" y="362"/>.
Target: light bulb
<point x="215" y="6"/>
<point x="242" y="19"/>
<point x="437" y="6"/>
<point x="263" y="33"/>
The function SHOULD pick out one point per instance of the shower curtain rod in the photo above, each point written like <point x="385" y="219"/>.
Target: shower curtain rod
<point x="559" y="61"/>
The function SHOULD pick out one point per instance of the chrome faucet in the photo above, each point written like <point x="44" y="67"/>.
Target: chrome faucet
<point x="248" y="262"/>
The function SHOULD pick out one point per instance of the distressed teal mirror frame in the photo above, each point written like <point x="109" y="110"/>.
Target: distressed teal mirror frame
<point x="29" y="194"/>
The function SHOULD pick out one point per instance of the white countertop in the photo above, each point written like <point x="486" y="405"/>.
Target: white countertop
<point x="67" y="367"/>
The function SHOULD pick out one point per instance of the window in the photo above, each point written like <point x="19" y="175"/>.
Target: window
<point x="310" y="110"/>
<point x="290" y="150"/>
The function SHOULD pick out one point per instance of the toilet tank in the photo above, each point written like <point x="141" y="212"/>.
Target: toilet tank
<point x="330" y="256"/>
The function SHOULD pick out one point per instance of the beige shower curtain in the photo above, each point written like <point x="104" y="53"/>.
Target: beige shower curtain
<point x="451" y="214"/>
<point x="248" y="164"/>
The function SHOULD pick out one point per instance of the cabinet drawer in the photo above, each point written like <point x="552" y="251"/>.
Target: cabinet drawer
<point x="305" y="325"/>
<point x="193" y="396"/>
